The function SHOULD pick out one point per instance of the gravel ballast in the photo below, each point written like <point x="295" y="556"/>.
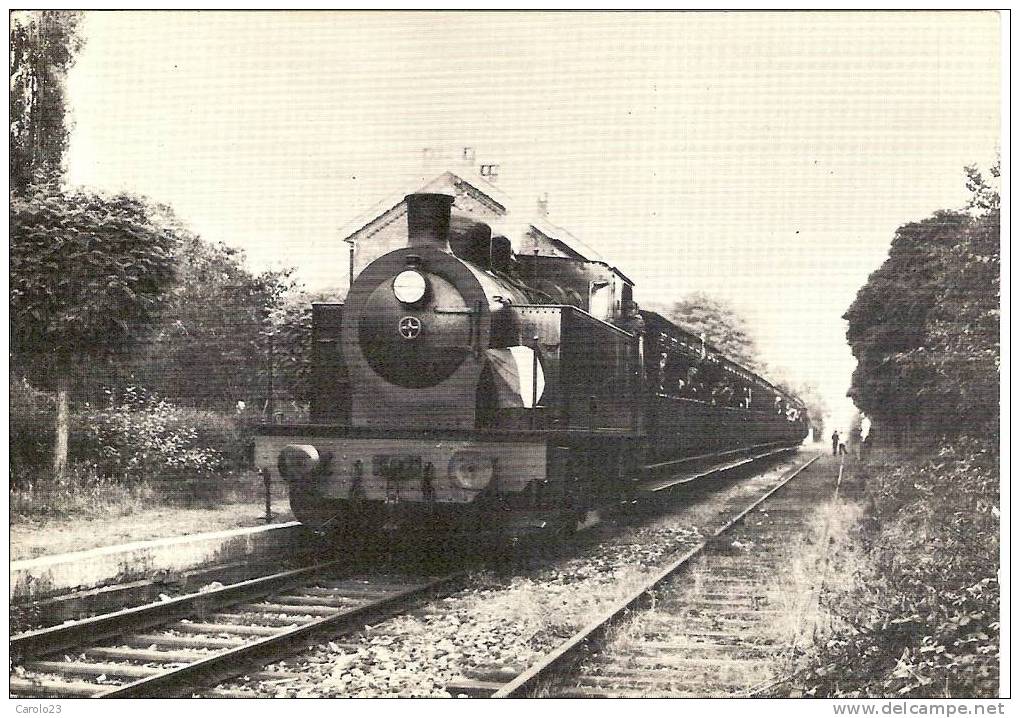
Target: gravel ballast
<point x="498" y="624"/>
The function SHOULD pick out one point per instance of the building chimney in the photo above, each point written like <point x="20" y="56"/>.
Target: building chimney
<point x="428" y="220"/>
<point x="489" y="171"/>
<point x="543" y="204"/>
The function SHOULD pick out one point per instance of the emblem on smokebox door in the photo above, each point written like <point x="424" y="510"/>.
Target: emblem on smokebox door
<point x="409" y="327"/>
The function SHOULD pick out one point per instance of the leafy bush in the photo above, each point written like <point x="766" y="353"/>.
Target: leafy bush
<point x="31" y="429"/>
<point x="141" y="437"/>
<point x="924" y="622"/>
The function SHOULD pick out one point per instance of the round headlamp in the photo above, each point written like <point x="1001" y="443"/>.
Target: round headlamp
<point x="471" y="470"/>
<point x="409" y="286"/>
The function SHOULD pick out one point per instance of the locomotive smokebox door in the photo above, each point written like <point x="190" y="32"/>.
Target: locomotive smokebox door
<point x="416" y="329"/>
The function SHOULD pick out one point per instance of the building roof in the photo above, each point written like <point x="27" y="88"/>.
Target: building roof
<point x="492" y="196"/>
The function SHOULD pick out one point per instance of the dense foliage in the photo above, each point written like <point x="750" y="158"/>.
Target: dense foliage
<point x="87" y="276"/>
<point x="140" y="437"/>
<point x="133" y="438"/>
<point x="209" y="346"/>
<point x="114" y="293"/>
<point x="43" y="48"/>
<point x="87" y="272"/>
<point x="32" y="416"/>
<point x="112" y="299"/>
<point x="925" y="327"/>
<point x="923" y="620"/>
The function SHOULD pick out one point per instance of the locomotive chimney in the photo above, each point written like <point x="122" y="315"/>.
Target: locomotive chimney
<point x="428" y="220"/>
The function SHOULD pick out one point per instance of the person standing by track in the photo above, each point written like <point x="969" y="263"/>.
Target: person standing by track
<point x="856" y="441"/>
<point x="835" y="442"/>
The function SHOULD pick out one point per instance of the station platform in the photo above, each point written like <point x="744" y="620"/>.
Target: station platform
<point x="165" y="560"/>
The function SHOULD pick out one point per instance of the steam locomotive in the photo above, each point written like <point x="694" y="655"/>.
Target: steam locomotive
<point x="470" y="387"/>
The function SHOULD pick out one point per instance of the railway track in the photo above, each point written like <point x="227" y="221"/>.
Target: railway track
<point x="180" y="647"/>
<point x="654" y="660"/>
<point x="189" y="645"/>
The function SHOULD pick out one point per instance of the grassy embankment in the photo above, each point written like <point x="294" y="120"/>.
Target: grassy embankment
<point x="910" y="607"/>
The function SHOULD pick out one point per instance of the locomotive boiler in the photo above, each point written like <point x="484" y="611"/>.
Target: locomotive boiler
<point x="465" y="386"/>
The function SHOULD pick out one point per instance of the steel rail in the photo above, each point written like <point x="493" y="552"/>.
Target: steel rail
<point x="31" y="644"/>
<point x="567" y="652"/>
<point x="655" y="485"/>
<point x="228" y="664"/>
<point x="712" y="455"/>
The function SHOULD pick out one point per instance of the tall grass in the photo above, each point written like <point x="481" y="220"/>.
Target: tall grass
<point x="83" y="492"/>
<point x="918" y="612"/>
<point x="88" y="494"/>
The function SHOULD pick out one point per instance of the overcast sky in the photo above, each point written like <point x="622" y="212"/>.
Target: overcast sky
<point x="764" y="158"/>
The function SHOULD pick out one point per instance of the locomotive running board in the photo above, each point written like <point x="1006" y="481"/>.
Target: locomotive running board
<point x="656" y="485"/>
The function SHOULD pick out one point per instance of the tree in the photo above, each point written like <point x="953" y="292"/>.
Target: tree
<point x="43" y="48"/>
<point x="87" y="277"/>
<point x="209" y="345"/>
<point x="886" y="322"/>
<point x="984" y="191"/>
<point x="961" y="338"/>
<point x="721" y="325"/>
<point x="925" y="327"/>
<point x="221" y="330"/>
